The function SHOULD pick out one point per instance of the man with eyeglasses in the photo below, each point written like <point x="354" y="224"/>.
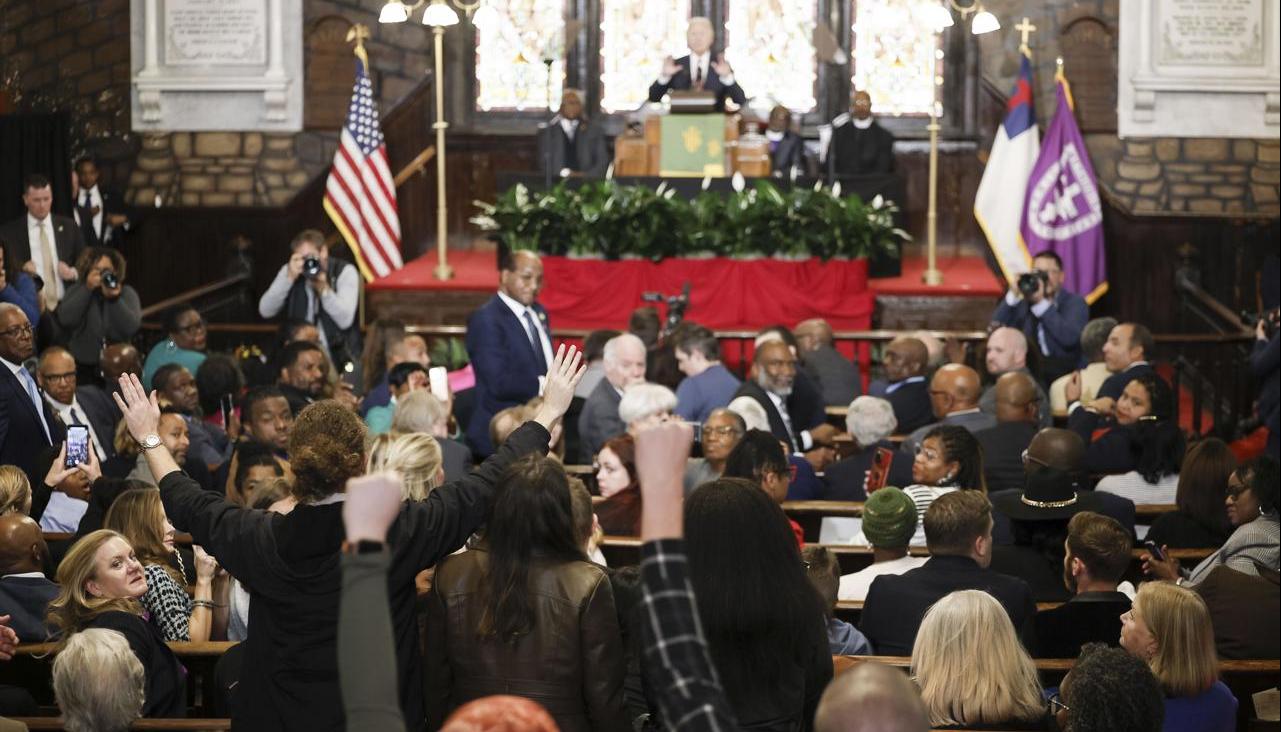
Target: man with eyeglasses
<point x="56" y="376"/>
<point x="719" y="436"/>
<point x="28" y="425"/>
<point x="795" y="420"/>
<point x="185" y="345"/>
<point x="1049" y="316"/>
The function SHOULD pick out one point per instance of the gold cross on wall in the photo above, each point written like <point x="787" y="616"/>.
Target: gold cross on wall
<point x="1026" y="28"/>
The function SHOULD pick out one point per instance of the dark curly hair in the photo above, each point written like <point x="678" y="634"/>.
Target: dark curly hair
<point x="1260" y="474"/>
<point x="1157" y="444"/>
<point x="1109" y="689"/>
<point x="960" y="445"/>
<point x="326" y="447"/>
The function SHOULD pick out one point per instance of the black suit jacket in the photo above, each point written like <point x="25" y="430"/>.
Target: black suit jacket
<point x="896" y="604"/>
<point x="911" y="404"/>
<point x="102" y="414"/>
<point x="684" y="80"/>
<point x="1042" y="575"/>
<point x="589" y="149"/>
<point x="503" y="359"/>
<point x="1116" y="383"/>
<point x="804" y="406"/>
<point x="456" y="459"/>
<point x="1090" y="617"/>
<point x="22" y="438"/>
<point x="1112" y="452"/>
<point x="599" y="420"/>
<point x="860" y="152"/>
<point x="1003" y="447"/>
<point x="112" y="203"/>
<point x="843" y="480"/>
<point x="787" y="153"/>
<point x="66" y="236"/>
<point x="25" y="600"/>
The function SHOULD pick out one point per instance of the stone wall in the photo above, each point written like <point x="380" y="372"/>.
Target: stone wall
<point x="73" y="56"/>
<point x="1144" y="175"/>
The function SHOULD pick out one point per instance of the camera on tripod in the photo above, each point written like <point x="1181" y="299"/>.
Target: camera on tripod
<point x="676" y="306"/>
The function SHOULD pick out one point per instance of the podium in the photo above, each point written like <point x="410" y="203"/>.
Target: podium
<point x="691" y="145"/>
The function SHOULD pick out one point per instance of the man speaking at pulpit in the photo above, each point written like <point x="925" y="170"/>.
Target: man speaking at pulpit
<point x="698" y="71"/>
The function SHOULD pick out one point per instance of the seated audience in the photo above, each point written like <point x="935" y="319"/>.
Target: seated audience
<point x="619" y="513"/>
<point x="56" y="376"/>
<point x="499" y="614"/>
<point x="421" y="411"/>
<point x="1051" y="317"/>
<point x="645" y="405"/>
<point x="837" y="379"/>
<point x="18" y="288"/>
<point x="185" y="345"/>
<point x="594" y="357"/>
<point x="98" y="682"/>
<point x="971" y="669"/>
<point x="139" y="517"/>
<point x="958" y="531"/>
<point x="415" y="456"/>
<point x="1252" y="509"/>
<point x="904" y="385"/>
<point x="383" y="348"/>
<point x="599" y="420"/>
<point x="759" y="458"/>
<point x="889" y="522"/>
<point x="100" y="583"/>
<point x="1126" y="352"/>
<point x="871" y="697"/>
<point x="796" y="417"/>
<point x="1015" y="402"/>
<point x="210" y="446"/>
<point x="256" y="464"/>
<point x="402" y="379"/>
<point x="954" y="397"/>
<point x="302" y="372"/>
<point x="99" y="307"/>
<point x="720" y="434"/>
<point x="949" y="459"/>
<point x="707" y="385"/>
<point x="328" y="445"/>
<point x="1169" y="627"/>
<point x="1201" y="519"/>
<point x="15" y="491"/>
<point x="1108" y="690"/>
<point x="765" y="623"/>
<point x="267" y="418"/>
<point x="1097" y="557"/>
<point x="1143" y="447"/>
<point x="1095" y="371"/>
<point x="869" y="420"/>
<point x="1243" y="610"/>
<point x="825" y="574"/>
<point x="25" y="591"/>
<point x="1006" y="353"/>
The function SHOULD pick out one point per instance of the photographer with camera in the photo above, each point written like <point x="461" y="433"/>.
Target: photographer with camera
<point x="98" y="308"/>
<point x="1050" y="316"/>
<point x="319" y="289"/>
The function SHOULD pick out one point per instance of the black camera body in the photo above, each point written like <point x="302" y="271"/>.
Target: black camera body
<point x="1029" y="282"/>
<point x="110" y="281"/>
<point x="311" y="268"/>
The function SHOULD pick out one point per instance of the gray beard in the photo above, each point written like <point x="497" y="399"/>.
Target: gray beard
<point x="763" y="381"/>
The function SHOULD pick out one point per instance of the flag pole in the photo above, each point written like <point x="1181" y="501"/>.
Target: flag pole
<point x="443" y="271"/>
<point x="932" y="276"/>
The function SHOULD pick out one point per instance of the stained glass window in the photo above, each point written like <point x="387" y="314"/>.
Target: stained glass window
<point x="512" y="45"/>
<point x="636" y="35"/>
<point x="771" y="48"/>
<point x="896" y="55"/>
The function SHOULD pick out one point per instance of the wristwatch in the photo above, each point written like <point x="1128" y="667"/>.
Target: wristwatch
<point x="363" y="546"/>
<point x="150" y="442"/>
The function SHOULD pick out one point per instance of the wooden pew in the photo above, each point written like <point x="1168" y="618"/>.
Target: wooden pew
<point x="851" y="611"/>
<point x="153" y="725"/>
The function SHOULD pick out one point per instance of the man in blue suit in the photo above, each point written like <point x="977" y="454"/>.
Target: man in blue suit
<point x="698" y="71"/>
<point x="510" y="344"/>
<point x="28" y="426"/>
<point x="1052" y="318"/>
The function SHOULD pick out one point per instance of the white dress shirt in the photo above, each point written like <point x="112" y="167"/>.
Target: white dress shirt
<point x="807" y="441"/>
<point x="519" y="311"/>
<point x="854" y="586"/>
<point x="38" y="253"/>
<point x="95" y="200"/>
<point x="570" y="127"/>
<point x="63" y="513"/>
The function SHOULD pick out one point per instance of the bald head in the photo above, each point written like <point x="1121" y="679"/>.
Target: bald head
<point x="1017" y="399"/>
<point x="813" y="333"/>
<point x="871" y="698"/>
<point x="904" y="358"/>
<point x="120" y="358"/>
<point x="954" y="388"/>
<point x="1006" y="351"/>
<point x="22" y="547"/>
<point x="1057" y="448"/>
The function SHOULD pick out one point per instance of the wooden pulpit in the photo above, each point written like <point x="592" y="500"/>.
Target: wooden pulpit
<point x="640" y="154"/>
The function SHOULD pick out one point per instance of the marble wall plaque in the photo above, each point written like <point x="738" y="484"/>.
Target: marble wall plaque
<point x="1211" y="32"/>
<point x="215" y="32"/>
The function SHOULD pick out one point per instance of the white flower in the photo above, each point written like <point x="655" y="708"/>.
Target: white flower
<point x="707" y="182"/>
<point x="878" y="201"/>
<point x="738" y="182"/>
<point x="522" y="195"/>
<point x="836" y="189"/>
<point x="609" y="172"/>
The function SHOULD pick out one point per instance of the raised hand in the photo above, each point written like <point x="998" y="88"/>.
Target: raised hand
<point x="371" y="505"/>
<point x="721" y="68"/>
<point x="670" y="67"/>
<point x="661" y="454"/>
<point x="563" y="376"/>
<point x="141" y="413"/>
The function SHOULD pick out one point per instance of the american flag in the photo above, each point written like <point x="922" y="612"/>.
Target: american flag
<point x="360" y="196"/>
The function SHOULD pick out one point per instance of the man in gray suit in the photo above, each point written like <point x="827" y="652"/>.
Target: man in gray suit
<point x="954" y="395"/>
<point x="837" y="378"/>
<point x="624" y="367"/>
<point x="42" y="243"/>
<point x="569" y="143"/>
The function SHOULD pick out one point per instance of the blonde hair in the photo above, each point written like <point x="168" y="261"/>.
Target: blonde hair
<point x="74" y="607"/>
<point x="416" y="456"/>
<point x="139" y="516"/>
<point x="98" y="682"/>
<point x="418" y="411"/>
<point x="15" y="490"/>
<point x="970" y="666"/>
<point x="1185" y="663"/>
<point x="124" y="443"/>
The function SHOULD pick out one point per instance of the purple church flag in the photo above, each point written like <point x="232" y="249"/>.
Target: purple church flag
<point x="1062" y="212"/>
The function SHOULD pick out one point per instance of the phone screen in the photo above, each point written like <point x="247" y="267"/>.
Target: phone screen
<point x="77" y="445"/>
<point x="439" y="379"/>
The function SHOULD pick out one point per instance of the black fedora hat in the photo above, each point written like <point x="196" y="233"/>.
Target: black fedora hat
<point x="1048" y="495"/>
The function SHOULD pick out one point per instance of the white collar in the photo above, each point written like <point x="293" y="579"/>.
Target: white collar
<point x="963" y="411"/>
<point x="13" y="367"/>
<point x="773" y="136"/>
<point x="93" y="192"/>
<point x="516" y="307"/>
<point x="59" y="406"/>
<point x="24" y="575"/>
<point x="1136" y="363"/>
<point x="862" y="124"/>
<point x="330" y="499"/>
<point x="33" y="222"/>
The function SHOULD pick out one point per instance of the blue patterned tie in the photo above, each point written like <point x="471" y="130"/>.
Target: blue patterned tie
<point x="540" y="360"/>
<point x="36" y="401"/>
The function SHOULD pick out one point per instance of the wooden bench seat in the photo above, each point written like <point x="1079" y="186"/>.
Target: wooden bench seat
<point x="153" y="725"/>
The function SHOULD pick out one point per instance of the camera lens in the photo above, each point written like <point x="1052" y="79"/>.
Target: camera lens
<point x="110" y="281"/>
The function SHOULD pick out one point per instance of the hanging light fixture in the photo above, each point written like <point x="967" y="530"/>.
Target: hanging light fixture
<point x="394" y="12"/>
<point x="439" y="15"/>
<point x="485" y="18"/>
<point x="984" y="22"/>
<point x="940" y="17"/>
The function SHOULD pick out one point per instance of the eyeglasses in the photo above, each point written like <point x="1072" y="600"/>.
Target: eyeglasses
<point x="725" y="431"/>
<point x="1030" y="459"/>
<point x="70" y="375"/>
<point x="927" y="453"/>
<point x="1236" y="488"/>
<point x="1056" y="703"/>
<point x="17" y="331"/>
